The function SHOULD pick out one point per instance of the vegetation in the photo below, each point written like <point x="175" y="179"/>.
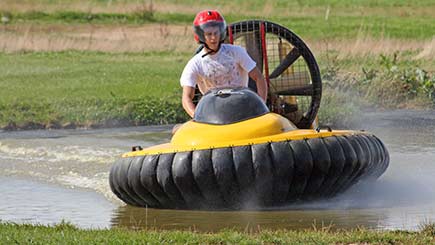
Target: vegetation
<point x="390" y="82"/>
<point x="393" y="85"/>
<point x="310" y="19"/>
<point x="315" y="27"/>
<point x="65" y="233"/>
<point x="105" y="63"/>
<point x="95" y="89"/>
<point x="73" y="89"/>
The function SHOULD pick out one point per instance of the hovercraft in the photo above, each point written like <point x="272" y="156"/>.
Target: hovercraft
<point x="235" y="154"/>
<point x="240" y="153"/>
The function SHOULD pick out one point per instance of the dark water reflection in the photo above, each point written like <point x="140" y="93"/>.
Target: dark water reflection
<point x="204" y="221"/>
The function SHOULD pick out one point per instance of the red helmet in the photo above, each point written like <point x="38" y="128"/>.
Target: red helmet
<point x="208" y="18"/>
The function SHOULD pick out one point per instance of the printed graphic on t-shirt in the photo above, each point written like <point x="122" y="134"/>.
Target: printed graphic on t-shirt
<point x="228" y="68"/>
<point x="221" y="71"/>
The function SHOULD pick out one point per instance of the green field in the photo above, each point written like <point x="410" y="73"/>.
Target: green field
<point x="107" y="63"/>
<point x="68" y="234"/>
<point x="89" y="89"/>
<point x="314" y="19"/>
<point x="98" y="89"/>
<point x="71" y="75"/>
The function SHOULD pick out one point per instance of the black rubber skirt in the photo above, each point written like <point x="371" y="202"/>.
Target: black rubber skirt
<point x="249" y="177"/>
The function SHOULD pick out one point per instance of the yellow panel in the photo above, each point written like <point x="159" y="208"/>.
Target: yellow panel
<point x="197" y="134"/>
<point x="270" y="127"/>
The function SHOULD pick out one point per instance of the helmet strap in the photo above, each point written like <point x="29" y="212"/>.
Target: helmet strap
<point x="211" y="51"/>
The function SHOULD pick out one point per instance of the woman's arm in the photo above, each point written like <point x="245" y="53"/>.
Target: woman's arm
<point x="186" y="100"/>
<point x="260" y="81"/>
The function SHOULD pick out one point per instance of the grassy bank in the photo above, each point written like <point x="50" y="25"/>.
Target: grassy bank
<point x="103" y="63"/>
<point x="73" y="89"/>
<point x="68" y="234"/>
<point x="386" y="82"/>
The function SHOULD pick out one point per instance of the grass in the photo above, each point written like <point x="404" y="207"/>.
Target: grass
<point x="111" y="63"/>
<point x="172" y="5"/>
<point x="70" y="75"/>
<point x="65" y="233"/>
<point x="310" y="19"/>
<point x="393" y="81"/>
<point x="335" y="26"/>
<point x="89" y="89"/>
<point x="99" y="89"/>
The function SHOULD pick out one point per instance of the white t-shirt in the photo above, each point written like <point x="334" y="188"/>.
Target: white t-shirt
<point x="229" y="67"/>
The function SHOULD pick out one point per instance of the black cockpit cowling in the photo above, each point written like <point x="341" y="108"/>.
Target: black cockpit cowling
<point x="229" y="105"/>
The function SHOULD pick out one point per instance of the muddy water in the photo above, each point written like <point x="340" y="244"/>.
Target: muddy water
<point x="50" y="176"/>
<point x="26" y="201"/>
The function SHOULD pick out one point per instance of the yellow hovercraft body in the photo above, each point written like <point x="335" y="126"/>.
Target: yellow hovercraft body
<point x="267" y="128"/>
<point x="236" y="154"/>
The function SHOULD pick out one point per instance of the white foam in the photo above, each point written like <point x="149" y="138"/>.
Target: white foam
<point x="99" y="183"/>
<point x="59" y="153"/>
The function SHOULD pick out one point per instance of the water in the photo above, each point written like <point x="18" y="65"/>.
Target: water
<point x="50" y="176"/>
<point x="27" y="201"/>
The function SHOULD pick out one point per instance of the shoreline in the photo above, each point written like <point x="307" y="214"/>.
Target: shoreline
<point x="370" y="113"/>
<point x="148" y="128"/>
